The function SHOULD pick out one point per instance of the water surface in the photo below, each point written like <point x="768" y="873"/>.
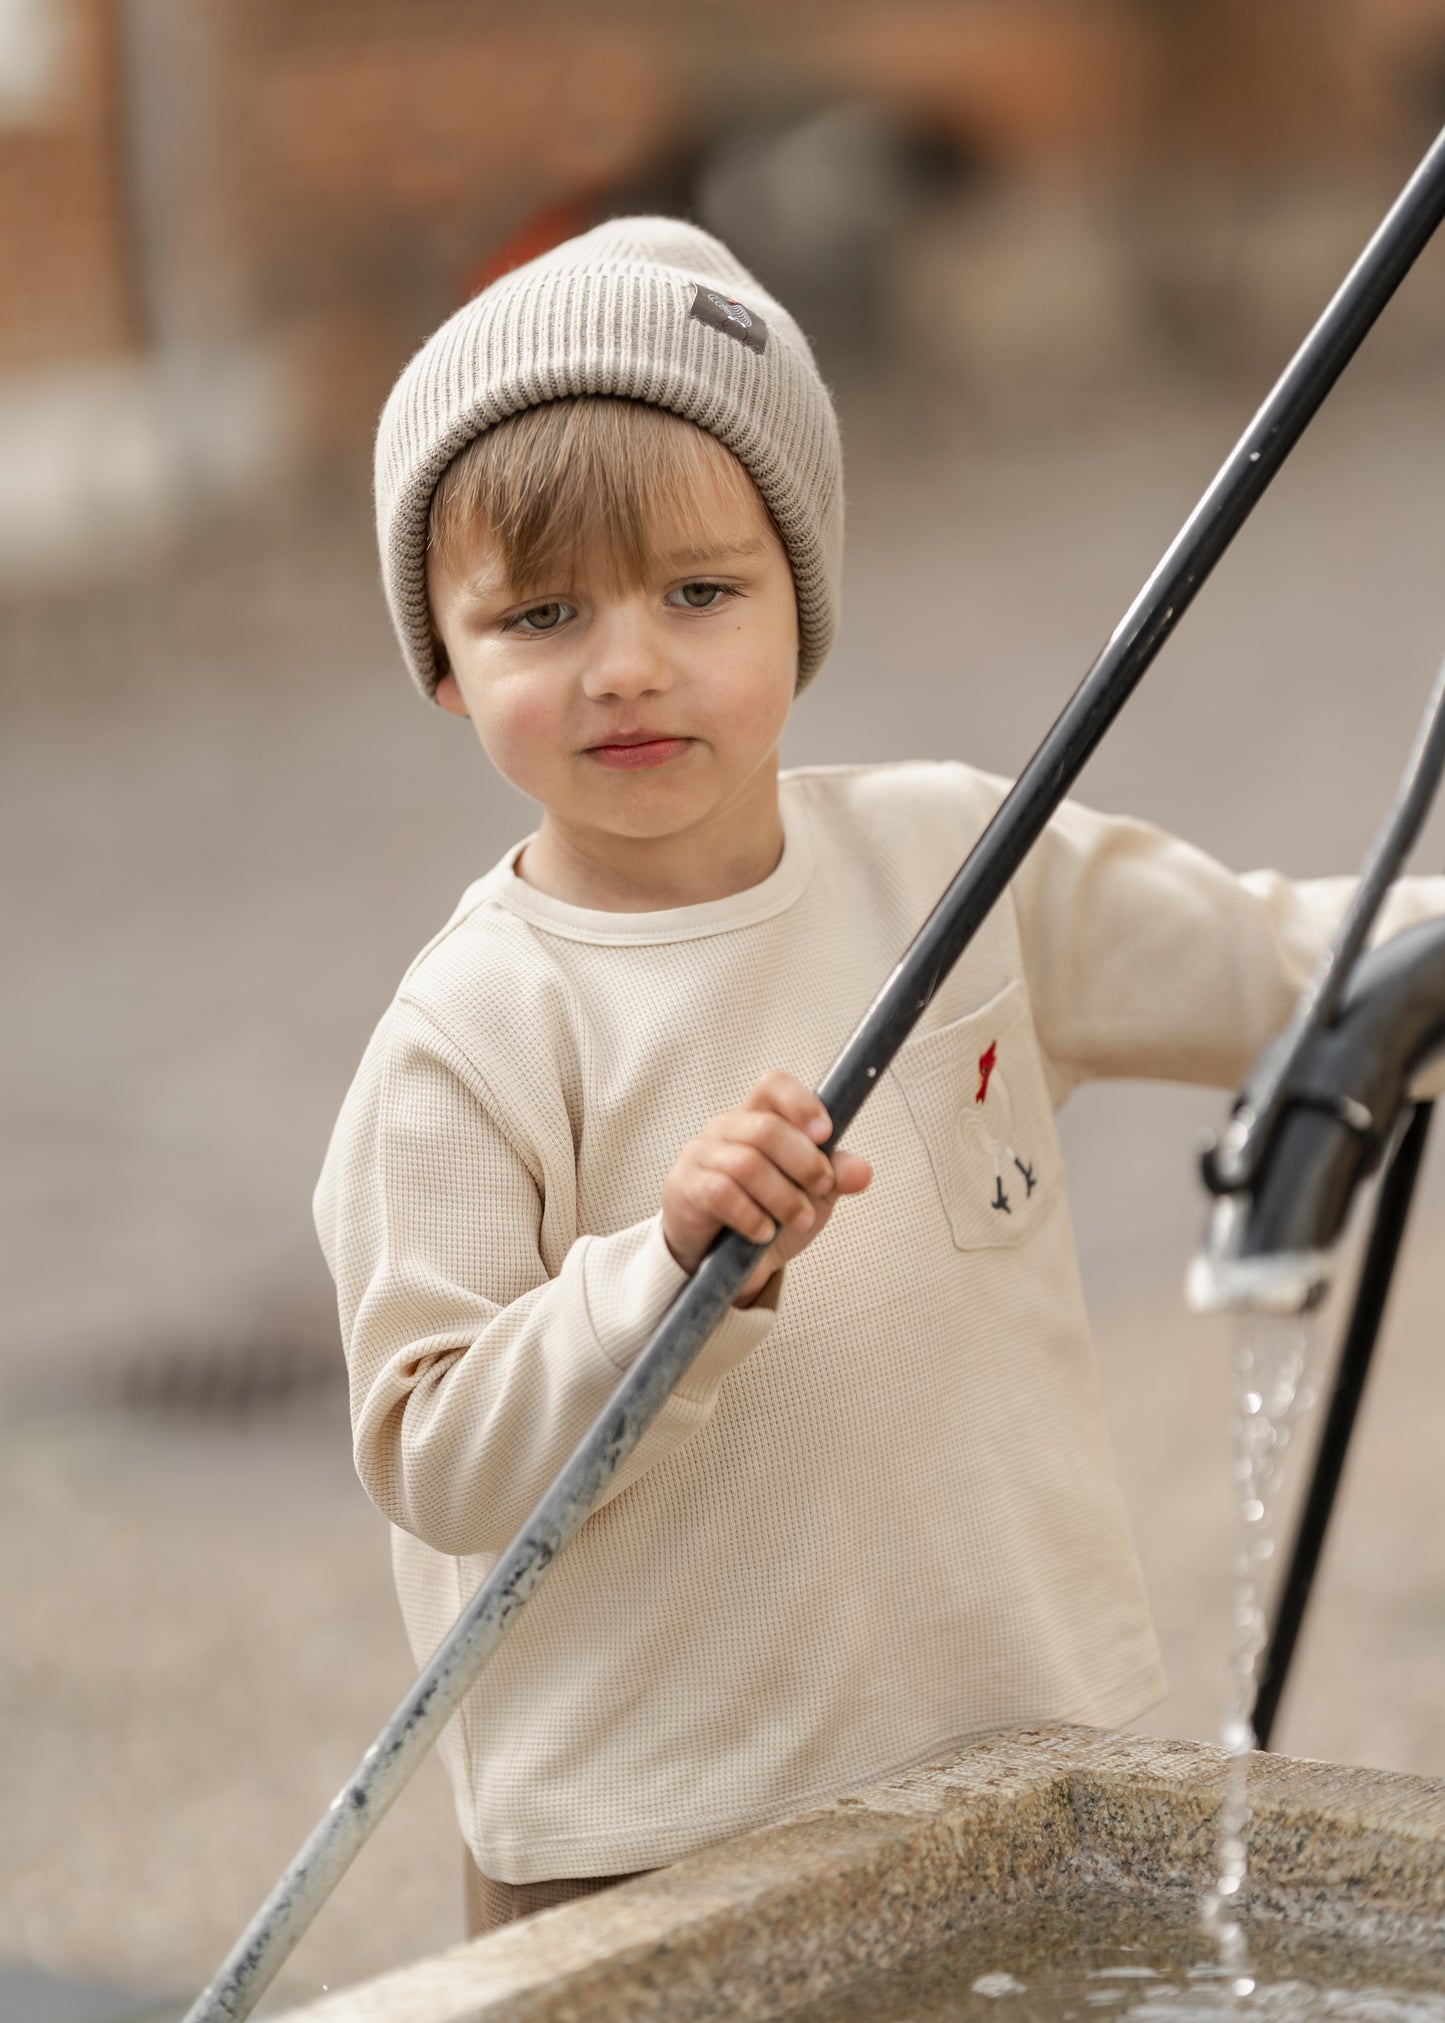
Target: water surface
<point x="1096" y="1957"/>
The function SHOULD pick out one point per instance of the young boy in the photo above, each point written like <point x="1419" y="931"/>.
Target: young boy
<point x="879" y="1514"/>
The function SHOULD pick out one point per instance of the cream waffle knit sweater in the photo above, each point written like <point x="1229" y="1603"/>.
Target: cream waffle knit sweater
<point x="879" y="1518"/>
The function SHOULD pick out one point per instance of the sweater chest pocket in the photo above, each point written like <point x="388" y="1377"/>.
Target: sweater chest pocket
<point x="975" y="1091"/>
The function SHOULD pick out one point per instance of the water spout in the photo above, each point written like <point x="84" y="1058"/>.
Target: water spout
<point x="1270" y="1247"/>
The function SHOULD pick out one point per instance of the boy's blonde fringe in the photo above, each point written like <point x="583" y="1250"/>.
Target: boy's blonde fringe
<point x="596" y="479"/>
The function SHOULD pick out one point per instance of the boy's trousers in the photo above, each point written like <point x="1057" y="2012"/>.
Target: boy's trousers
<point x="490" y="1905"/>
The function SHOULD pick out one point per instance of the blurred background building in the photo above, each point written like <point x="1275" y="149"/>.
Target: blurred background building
<point x="223" y="222"/>
<point x="1052" y="253"/>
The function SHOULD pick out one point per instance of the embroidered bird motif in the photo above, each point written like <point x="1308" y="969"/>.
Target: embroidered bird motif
<point x="1030" y="1182"/>
<point x="1000" y="1199"/>
<point x="987" y="1062"/>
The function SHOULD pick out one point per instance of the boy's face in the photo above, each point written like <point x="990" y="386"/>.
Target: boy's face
<point x="636" y="713"/>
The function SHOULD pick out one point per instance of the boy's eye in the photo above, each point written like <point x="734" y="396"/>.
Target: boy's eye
<point x="541" y="618"/>
<point x="699" y="596"/>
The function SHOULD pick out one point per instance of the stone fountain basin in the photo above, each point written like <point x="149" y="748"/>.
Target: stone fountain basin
<point x="765" y="1922"/>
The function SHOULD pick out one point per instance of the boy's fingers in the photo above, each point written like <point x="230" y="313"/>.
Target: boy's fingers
<point x="853" y="1171"/>
<point x="736" y="1209"/>
<point x="776" y="1139"/>
<point x="759" y="1177"/>
<point x="780" y="1091"/>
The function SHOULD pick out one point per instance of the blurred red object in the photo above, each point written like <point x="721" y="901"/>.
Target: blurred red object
<point x="536" y="235"/>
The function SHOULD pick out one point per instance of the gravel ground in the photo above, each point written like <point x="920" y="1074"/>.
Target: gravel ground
<point x="226" y="827"/>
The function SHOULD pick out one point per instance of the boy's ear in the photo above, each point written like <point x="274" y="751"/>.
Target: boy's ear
<point x="449" y="695"/>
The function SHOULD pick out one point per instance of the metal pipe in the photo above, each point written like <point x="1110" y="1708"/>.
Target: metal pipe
<point x="1392" y="1210"/>
<point x="703" y="1301"/>
<point x="1236" y="1161"/>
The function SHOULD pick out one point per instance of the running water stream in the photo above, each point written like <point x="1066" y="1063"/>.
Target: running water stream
<point x="1274" y="1367"/>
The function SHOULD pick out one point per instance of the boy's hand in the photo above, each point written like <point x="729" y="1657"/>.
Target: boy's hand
<point x="758" y="1170"/>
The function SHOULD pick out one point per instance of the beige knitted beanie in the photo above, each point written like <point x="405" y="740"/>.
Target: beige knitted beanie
<point x="647" y="309"/>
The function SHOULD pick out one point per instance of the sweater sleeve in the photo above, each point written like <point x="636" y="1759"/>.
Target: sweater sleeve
<point x="1146" y="957"/>
<point x="473" y="1368"/>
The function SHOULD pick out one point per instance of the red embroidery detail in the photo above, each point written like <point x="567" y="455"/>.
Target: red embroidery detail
<point x="986" y="1065"/>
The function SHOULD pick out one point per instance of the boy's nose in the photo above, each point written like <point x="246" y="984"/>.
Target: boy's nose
<point x="626" y="657"/>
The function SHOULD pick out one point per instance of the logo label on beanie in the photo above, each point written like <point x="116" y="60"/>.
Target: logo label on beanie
<point x="720" y="312"/>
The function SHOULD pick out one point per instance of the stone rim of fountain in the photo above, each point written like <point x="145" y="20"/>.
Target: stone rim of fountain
<point x="771" y="1919"/>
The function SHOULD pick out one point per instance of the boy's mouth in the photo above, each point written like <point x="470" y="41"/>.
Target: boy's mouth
<point x="641" y="749"/>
